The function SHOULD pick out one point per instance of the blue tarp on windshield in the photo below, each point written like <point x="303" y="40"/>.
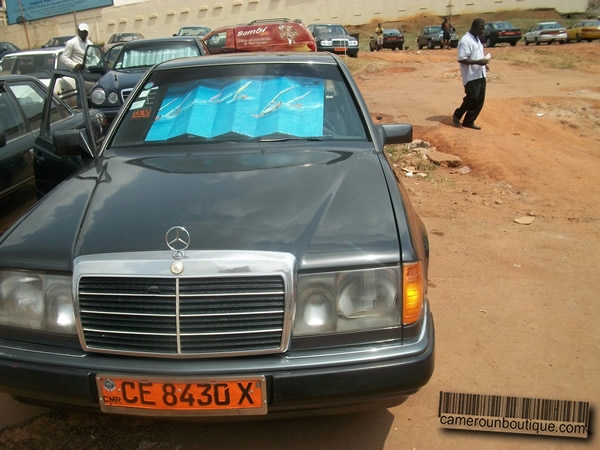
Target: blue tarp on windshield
<point x="251" y="107"/>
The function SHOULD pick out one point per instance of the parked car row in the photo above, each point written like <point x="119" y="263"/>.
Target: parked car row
<point x="505" y="33"/>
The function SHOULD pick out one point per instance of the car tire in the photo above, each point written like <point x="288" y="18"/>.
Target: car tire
<point x="489" y="43"/>
<point x="512" y="44"/>
<point x="401" y="47"/>
<point x="526" y="42"/>
<point x="538" y="42"/>
<point x="430" y="45"/>
<point x="577" y="38"/>
<point x="419" y="45"/>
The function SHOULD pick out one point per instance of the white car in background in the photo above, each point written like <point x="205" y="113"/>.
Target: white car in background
<point x="40" y="64"/>
<point x="547" y="32"/>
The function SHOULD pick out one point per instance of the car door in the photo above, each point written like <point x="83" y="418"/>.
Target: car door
<point x="50" y="167"/>
<point x="17" y="183"/>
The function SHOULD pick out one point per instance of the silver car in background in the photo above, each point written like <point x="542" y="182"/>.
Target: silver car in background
<point x="547" y="32"/>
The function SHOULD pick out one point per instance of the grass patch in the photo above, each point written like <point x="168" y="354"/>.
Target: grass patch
<point x="541" y="58"/>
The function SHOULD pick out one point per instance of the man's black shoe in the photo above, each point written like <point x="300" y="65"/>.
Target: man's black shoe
<point x="473" y="126"/>
<point x="455" y="120"/>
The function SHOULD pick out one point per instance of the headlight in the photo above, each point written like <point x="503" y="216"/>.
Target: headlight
<point x="113" y="98"/>
<point x="36" y="301"/>
<point x="98" y="96"/>
<point x="327" y="43"/>
<point x="352" y="43"/>
<point x="349" y="301"/>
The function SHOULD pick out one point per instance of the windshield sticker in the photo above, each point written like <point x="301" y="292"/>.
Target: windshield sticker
<point x="138" y="104"/>
<point x="251" y="107"/>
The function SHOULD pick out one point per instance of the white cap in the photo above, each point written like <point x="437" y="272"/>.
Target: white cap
<point x="83" y="27"/>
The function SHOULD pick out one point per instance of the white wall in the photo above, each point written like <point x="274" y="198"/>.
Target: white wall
<point x="157" y="18"/>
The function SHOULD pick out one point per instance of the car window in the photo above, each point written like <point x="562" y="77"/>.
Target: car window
<point x="218" y="104"/>
<point x="31" y="100"/>
<point x="11" y="121"/>
<point x="217" y="40"/>
<point x="148" y="56"/>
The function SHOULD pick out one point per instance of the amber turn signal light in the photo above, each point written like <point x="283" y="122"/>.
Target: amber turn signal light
<point x="413" y="292"/>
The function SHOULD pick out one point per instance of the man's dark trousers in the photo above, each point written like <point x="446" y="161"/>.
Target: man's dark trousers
<point x="473" y="101"/>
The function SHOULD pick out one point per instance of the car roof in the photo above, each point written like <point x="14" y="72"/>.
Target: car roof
<point x="150" y="42"/>
<point x="186" y="27"/>
<point x="16" y="77"/>
<point x="250" y="58"/>
<point x="125" y="34"/>
<point x="43" y="51"/>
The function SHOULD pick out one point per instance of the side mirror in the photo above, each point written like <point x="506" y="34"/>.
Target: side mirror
<point x="397" y="133"/>
<point x="72" y="143"/>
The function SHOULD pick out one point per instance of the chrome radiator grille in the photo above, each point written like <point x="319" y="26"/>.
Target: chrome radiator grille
<point x="204" y="316"/>
<point x="340" y="42"/>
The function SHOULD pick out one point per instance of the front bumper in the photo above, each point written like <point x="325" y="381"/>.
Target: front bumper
<point x="334" y="381"/>
<point x="352" y="52"/>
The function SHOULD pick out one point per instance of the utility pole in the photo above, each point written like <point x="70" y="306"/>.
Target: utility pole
<point x="25" y="26"/>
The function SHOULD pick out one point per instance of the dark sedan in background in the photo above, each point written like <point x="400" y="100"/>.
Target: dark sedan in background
<point x="8" y="47"/>
<point x="135" y="57"/>
<point x="432" y="37"/>
<point x="240" y="246"/>
<point x="500" y="33"/>
<point x="393" y="39"/>
<point x="334" y="38"/>
<point x="21" y="103"/>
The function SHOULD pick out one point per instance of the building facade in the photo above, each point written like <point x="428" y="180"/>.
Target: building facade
<point x="159" y="18"/>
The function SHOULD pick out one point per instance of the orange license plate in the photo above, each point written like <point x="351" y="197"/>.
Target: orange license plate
<point x="340" y="49"/>
<point x="183" y="396"/>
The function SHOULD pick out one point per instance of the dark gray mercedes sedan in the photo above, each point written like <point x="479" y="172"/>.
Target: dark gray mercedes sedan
<point x="239" y="245"/>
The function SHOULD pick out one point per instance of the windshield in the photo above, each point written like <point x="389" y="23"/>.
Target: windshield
<point x="194" y="31"/>
<point x="259" y="102"/>
<point x="334" y="30"/>
<point x="141" y="56"/>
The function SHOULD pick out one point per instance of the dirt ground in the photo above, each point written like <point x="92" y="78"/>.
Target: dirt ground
<point x="515" y="306"/>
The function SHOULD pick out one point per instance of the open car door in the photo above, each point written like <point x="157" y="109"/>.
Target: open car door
<point x="66" y="142"/>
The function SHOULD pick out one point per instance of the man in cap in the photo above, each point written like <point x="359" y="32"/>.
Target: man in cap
<point x="72" y="55"/>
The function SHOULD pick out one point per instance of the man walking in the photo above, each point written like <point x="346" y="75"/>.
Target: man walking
<point x="379" y="37"/>
<point x="72" y="55"/>
<point x="473" y="69"/>
<point x="446" y="33"/>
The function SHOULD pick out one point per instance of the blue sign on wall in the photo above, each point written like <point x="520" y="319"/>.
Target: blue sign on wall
<point x="18" y="11"/>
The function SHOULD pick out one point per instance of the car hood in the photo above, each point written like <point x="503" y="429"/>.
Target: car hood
<point x="121" y="79"/>
<point x="328" y="208"/>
